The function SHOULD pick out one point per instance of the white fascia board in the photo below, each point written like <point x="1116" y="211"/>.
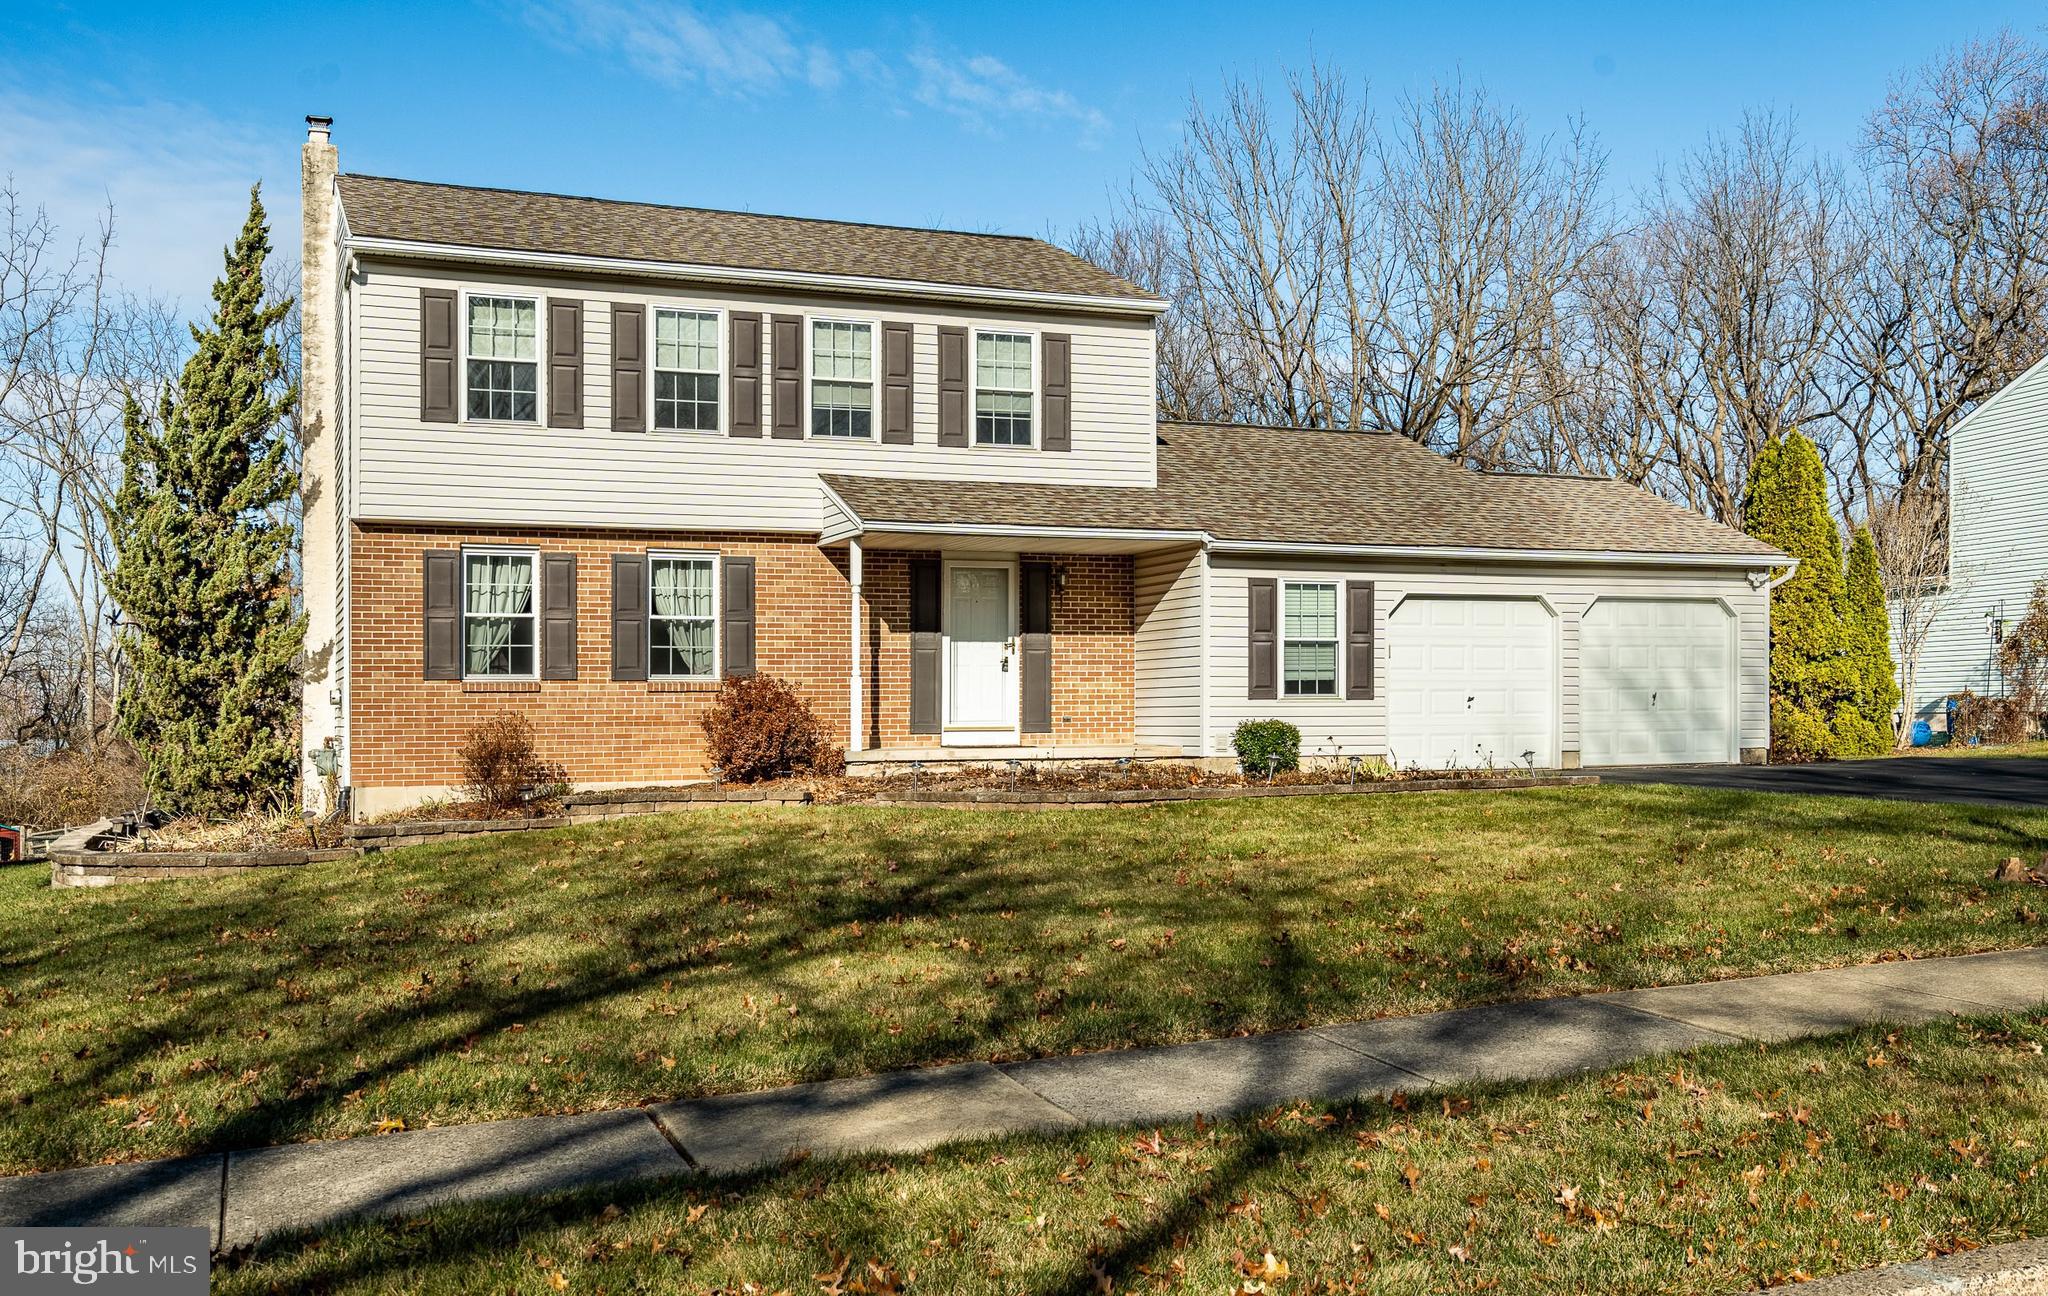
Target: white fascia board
<point x="793" y="279"/>
<point x="1029" y="532"/>
<point x="1751" y="562"/>
<point x="853" y="529"/>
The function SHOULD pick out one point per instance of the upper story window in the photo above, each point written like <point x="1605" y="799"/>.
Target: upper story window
<point x="682" y="616"/>
<point x="1002" y="389"/>
<point x="686" y="370"/>
<point x="842" y="379"/>
<point x="504" y="366"/>
<point x="1308" y="640"/>
<point x="498" y="614"/>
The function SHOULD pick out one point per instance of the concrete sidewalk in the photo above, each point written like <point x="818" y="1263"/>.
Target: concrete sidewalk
<point x="242" y="1196"/>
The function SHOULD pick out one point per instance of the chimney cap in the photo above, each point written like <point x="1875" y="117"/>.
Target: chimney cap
<point x="316" y="125"/>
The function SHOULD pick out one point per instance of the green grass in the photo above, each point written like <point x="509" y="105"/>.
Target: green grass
<point x="2033" y="749"/>
<point x="734" y="949"/>
<point x="1711" y="1173"/>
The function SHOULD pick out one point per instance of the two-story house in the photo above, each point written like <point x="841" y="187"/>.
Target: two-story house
<point x="583" y="459"/>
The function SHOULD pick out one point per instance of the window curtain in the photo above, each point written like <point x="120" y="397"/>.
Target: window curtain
<point x="500" y="587"/>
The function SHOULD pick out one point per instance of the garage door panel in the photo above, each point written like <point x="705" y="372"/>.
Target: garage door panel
<point x="1487" y="693"/>
<point x="1655" y="682"/>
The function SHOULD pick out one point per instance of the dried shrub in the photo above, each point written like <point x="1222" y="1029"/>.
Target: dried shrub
<point x="68" y="788"/>
<point x="2023" y="659"/>
<point x="761" y="728"/>
<point x="501" y="769"/>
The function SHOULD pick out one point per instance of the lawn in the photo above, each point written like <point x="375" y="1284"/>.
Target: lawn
<point x="1711" y="1173"/>
<point x="734" y="949"/>
<point x="2031" y="750"/>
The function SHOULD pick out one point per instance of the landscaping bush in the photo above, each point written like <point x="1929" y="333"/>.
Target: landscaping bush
<point x="1992" y="720"/>
<point x="1267" y="744"/>
<point x="501" y="770"/>
<point x="761" y="728"/>
<point x="68" y="788"/>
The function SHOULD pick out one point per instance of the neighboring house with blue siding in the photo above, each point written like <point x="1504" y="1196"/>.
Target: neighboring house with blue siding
<point x="1998" y="540"/>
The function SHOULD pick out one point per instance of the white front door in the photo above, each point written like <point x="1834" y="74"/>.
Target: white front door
<point x="1471" y="683"/>
<point x="981" y="670"/>
<point x="1656" y="683"/>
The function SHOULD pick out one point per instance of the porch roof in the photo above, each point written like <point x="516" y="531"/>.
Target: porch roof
<point x="1299" y="487"/>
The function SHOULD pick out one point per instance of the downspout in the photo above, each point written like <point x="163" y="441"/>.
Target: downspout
<point x="1776" y="581"/>
<point x="853" y="697"/>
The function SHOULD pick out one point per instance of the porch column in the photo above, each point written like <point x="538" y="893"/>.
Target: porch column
<point x="853" y="742"/>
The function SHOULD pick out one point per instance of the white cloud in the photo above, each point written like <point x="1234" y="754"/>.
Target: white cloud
<point x="177" y="177"/>
<point x="745" y="53"/>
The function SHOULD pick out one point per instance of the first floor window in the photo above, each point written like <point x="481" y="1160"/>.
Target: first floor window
<point x="1002" y="389"/>
<point x="498" y="615"/>
<point x="686" y="370"/>
<point x="504" y="368"/>
<point x="682" y="617"/>
<point x="1308" y="641"/>
<point x="842" y="379"/>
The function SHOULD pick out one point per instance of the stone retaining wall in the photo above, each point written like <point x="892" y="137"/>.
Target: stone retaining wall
<point x="1084" y="798"/>
<point x="80" y="859"/>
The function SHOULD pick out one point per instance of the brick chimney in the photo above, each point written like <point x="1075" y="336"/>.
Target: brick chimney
<point x="320" y="268"/>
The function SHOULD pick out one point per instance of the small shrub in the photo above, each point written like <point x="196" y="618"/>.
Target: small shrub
<point x="1993" y="720"/>
<point x="502" y="770"/>
<point x="68" y="788"/>
<point x="761" y="728"/>
<point x="1267" y="744"/>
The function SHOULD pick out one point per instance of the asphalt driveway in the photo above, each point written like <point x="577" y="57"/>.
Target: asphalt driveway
<point x="1986" y="780"/>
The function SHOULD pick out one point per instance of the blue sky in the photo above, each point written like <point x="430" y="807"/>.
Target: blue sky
<point x="971" y="116"/>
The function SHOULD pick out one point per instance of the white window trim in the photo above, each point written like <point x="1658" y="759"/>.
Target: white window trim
<point x="532" y="612"/>
<point x="1336" y="642"/>
<point x="722" y="329"/>
<point x="874" y="436"/>
<point x="540" y="351"/>
<point x="974" y="336"/>
<point x="717" y="646"/>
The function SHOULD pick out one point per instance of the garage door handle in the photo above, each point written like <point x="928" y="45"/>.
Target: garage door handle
<point x="1653" y="699"/>
<point x="1468" y="701"/>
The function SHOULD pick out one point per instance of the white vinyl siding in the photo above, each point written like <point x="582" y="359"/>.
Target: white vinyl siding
<point x="407" y="470"/>
<point x="1166" y="649"/>
<point x="682" y="616"/>
<point x="686" y="370"/>
<point x="499" y="614"/>
<point x="1341" y="726"/>
<point x="501" y="347"/>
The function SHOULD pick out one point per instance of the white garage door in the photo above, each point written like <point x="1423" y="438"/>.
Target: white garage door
<point x="1656" y="683"/>
<point x="1471" y="682"/>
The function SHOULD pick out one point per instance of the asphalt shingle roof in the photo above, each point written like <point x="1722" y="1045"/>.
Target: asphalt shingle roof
<point x="1313" y="487"/>
<point x="459" y="216"/>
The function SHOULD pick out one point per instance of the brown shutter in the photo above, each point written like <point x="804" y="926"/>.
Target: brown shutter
<point x="1057" y="352"/>
<point x="558" y="616"/>
<point x="441" y="599"/>
<point x="629" y="616"/>
<point x="1358" y="633"/>
<point x="896" y="384"/>
<point x="952" y="386"/>
<point x="565" y="363"/>
<point x="789" y="377"/>
<point x="629" y="375"/>
<point x="437" y="355"/>
<point x="1262" y="622"/>
<point x="744" y="419"/>
<point x="924" y="647"/>
<point x="1035" y="623"/>
<point x="736" y="613"/>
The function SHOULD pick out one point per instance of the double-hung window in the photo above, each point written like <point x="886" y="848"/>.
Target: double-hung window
<point x="1002" y="389"/>
<point x="498" y="614"/>
<point x="682" y="616"/>
<point x="504" y="365"/>
<point x="842" y="379"/>
<point x="686" y="370"/>
<point x="1308" y="640"/>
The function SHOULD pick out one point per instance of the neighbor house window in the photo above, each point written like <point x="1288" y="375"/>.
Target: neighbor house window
<point x="504" y="369"/>
<point x="497" y="615"/>
<point x="682" y="617"/>
<point x="1002" y="389"/>
<point x="686" y="370"/>
<point x="842" y="379"/>
<point x="1308" y="641"/>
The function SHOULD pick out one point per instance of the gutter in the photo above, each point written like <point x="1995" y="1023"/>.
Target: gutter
<point x="413" y="249"/>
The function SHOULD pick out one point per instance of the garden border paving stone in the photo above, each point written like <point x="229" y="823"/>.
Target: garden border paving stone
<point x="302" y="1185"/>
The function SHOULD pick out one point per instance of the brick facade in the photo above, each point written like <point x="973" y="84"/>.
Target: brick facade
<point x="404" y="730"/>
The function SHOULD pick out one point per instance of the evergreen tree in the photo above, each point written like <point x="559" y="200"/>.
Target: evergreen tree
<point x="202" y="560"/>
<point x="1814" y="679"/>
<point x="1870" y="635"/>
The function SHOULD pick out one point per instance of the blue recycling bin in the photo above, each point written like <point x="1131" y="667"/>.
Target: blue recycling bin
<point x="1923" y="733"/>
